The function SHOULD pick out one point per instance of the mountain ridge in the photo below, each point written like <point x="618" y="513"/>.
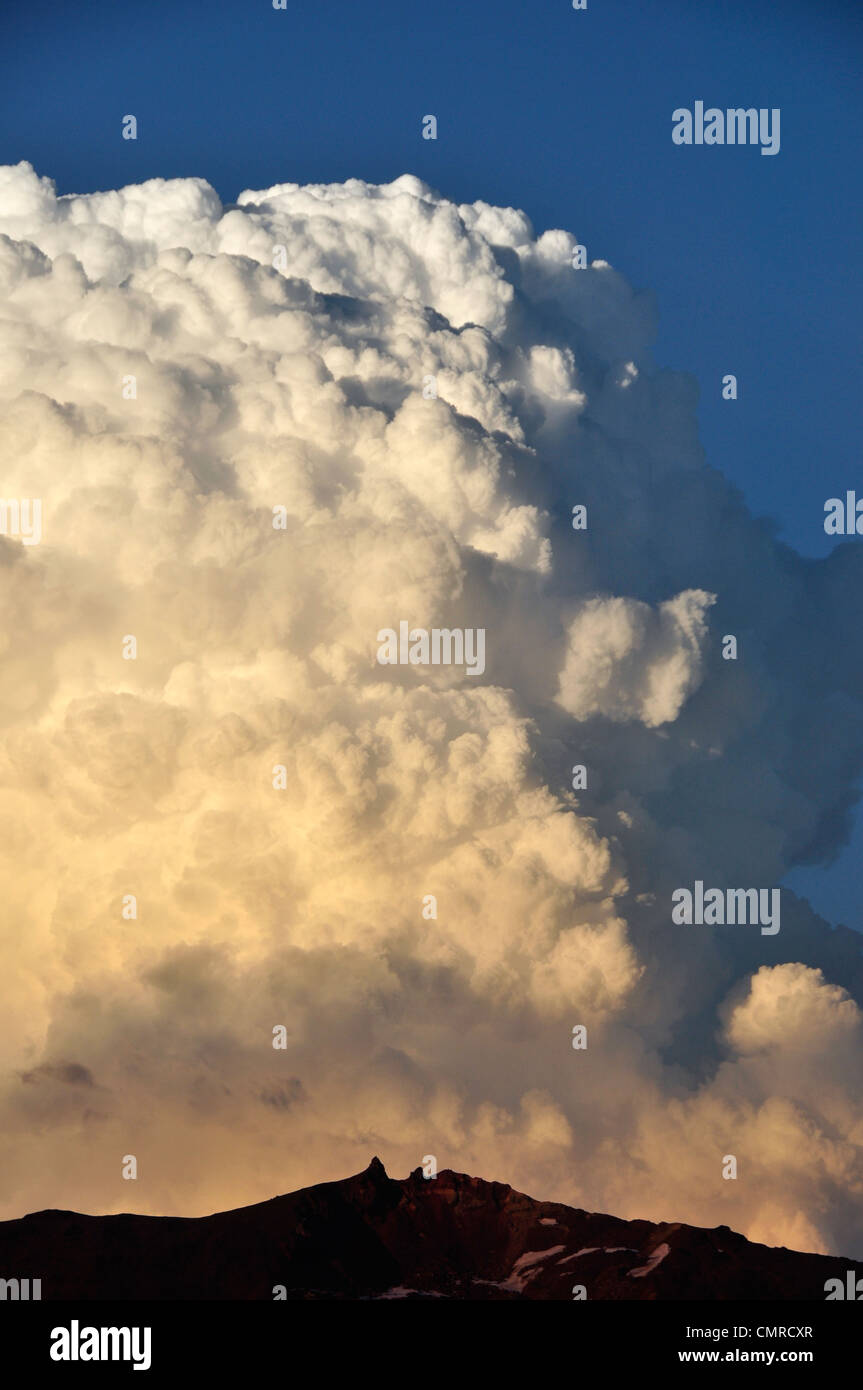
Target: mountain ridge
<point x="369" y="1236"/>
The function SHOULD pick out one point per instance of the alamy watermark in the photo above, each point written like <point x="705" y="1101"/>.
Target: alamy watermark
<point x="718" y="907"/>
<point x="440" y="646"/>
<point x="20" y="1290"/>
<point x="21" y="518"/>
<point x="844" y="515"/>
<point x="76" y="1343"/>
<point x="734" y="126"/>
<point x="852" y="1289"/>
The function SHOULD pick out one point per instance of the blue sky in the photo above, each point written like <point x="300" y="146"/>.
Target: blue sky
<point x="754" y="260"/>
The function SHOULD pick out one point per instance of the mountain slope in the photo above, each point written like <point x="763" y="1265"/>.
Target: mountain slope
<point x="371" y="1236"/>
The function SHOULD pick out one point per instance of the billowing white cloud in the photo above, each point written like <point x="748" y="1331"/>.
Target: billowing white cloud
<point x="791" y="1008"/>
<point x="417" y="394"/>
<point x="628" y="661"/>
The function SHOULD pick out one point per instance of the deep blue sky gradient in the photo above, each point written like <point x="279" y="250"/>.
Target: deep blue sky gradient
<point x="755" y="260"/>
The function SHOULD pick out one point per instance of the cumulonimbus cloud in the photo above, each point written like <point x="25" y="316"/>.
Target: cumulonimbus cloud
<point x="260" y="434"/>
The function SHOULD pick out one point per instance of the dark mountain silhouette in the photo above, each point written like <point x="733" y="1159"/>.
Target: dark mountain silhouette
<point x="373" y="1237"/>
